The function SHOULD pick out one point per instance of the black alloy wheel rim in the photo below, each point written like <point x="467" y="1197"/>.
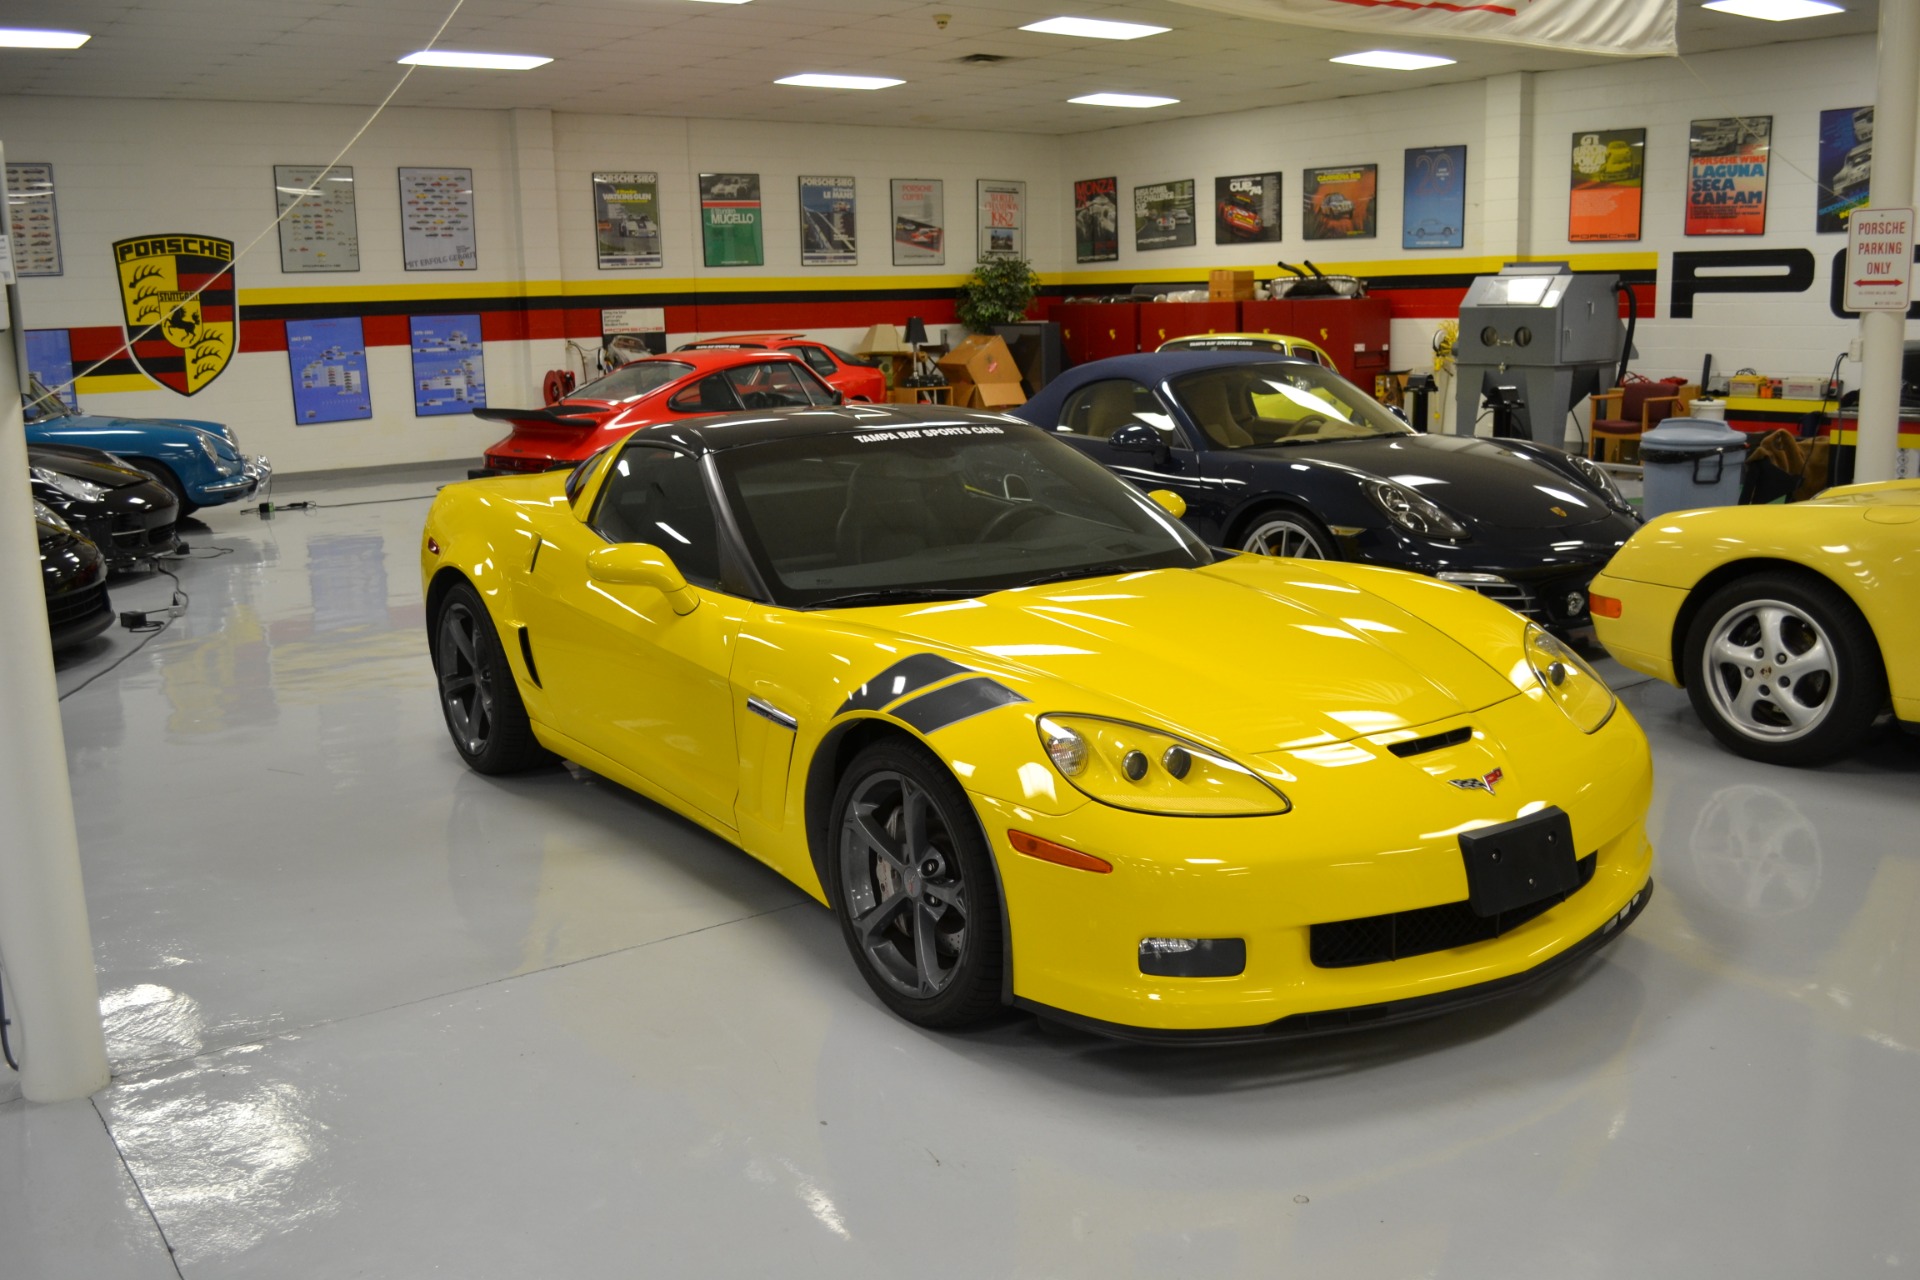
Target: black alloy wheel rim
<point x="466" y="690"/>
<point x="902" y="883"/>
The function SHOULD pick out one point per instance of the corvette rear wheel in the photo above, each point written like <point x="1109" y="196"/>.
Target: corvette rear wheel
<point x="478" y="697"/>
<point x="1288" y="533"/>
<point x="915" y="888"/>
<point x="1783" y="669"/>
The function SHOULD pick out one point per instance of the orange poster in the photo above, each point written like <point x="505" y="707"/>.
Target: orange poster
<point x="1608" y="168"/>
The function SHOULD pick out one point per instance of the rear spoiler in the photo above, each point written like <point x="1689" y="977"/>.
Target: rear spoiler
<point x="546" y="417"/>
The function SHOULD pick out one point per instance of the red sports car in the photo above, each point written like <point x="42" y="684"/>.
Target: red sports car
<point x="849" y="374"/>
<point x="644" y="392"/>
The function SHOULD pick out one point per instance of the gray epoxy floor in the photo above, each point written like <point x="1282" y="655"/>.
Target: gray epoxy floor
<point x="373" y="1015"/>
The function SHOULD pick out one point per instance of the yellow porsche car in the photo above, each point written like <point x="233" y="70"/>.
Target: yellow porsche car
<point x="1792" y="628"/>
<point x="1032" y="740"/>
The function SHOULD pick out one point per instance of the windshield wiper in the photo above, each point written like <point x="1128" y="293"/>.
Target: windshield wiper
<point x="1085" y="571"/>
<point x="893" y="595"/>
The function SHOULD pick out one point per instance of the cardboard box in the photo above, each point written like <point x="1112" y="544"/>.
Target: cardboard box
<point x="981" y="360"/>
<point x="989" y="395"/>
<point x="1230" y="284"/>
<point x="883" y="340"/>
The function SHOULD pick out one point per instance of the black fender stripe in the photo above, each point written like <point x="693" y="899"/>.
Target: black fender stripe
<point x="955" y="702"/>
<point x="900" y="679"/>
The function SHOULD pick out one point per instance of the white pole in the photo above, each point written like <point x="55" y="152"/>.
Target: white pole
<point x="46" y="946"/>
<point x="1883" y="334"/>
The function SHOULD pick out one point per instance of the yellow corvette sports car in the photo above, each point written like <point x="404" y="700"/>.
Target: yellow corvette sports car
<point x="1792" y="628"/>
<point x="1030" y="739"/>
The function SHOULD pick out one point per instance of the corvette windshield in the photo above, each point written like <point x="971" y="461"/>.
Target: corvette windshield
<point x="633" y="380"/>
<point x="939" y="509"/>
<point x="1244" y="406"/>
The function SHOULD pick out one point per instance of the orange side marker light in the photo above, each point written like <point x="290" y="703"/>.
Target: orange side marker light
<point x="1602" y="606"/>
<point x="1058" y="854"/>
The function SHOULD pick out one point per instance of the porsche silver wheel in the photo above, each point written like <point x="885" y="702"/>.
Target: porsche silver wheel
<point x="903" y="885"/>
<point x="1770" y="670"/>
<point x="1283" y="533"/>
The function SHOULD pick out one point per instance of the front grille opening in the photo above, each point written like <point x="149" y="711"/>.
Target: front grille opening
<point x="1432" y="742"/>
<point x="1341" y="944"/>
<point x="75" y="605"/>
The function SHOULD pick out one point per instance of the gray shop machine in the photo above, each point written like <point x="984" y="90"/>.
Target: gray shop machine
<point x="1535" y="341"/>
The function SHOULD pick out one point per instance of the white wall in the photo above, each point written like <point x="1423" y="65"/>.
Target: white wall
<point x="135" y="167"/>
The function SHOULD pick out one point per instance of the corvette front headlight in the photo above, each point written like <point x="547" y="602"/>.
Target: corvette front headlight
<point x="1414" y="511"/>
<point x="1568" y="680"/>
<point x="1130" y="766"/>
<point x="72" y="486"/>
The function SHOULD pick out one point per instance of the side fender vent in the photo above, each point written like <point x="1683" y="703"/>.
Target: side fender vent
<point x="526" y="652"/>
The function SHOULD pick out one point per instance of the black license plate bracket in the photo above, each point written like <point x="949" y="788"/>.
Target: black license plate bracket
<point x="1521" y="862"/>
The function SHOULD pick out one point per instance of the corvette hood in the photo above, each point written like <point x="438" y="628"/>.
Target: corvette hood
<point x="1219" y="655"/>
<point x="1487" y="481"/>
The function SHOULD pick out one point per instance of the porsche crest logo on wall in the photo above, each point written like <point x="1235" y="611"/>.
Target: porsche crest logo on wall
<point x="179" y="340"/>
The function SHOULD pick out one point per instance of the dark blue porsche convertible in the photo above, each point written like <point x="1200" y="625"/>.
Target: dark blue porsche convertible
<point x="1283" y="457"/>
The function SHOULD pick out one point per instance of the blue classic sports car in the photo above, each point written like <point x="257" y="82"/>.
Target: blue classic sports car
<point x="1283" y="457"/>
<point x="199" y="462"/>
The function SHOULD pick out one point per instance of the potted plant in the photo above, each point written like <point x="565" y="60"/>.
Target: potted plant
<point x="997" y="292"/>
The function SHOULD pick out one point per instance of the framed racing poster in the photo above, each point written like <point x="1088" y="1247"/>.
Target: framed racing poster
<point x="319" y="230"/>
<point x="1246" y="209"/>
<point x="1163" y="215"/>
<point x="1003" y="218"/>
<point x="1096" y="220"/>
<point x="1433" y="213"/>
<point x="826" y="223"/>
<point x="50" y="359"/>
<point x="730" y="234"/>
<point x="436" y="220"/>
<point x="1337" y="202"/>
<point x="33" y="221"/>
<point x="449" y="365"/>
<point x="328" y="361"/>
<point x="919" y="222"/>
<point x="1609" y="170"/>
<point x="1727" y="175"/>
<point x="626" y="220"/>
<point x="1846" y="165"/>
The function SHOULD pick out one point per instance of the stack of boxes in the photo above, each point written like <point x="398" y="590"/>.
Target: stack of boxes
<point x="983" y="374"/>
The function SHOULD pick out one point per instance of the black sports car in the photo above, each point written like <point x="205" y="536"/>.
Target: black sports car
<point x="1283" y="457"/>
<point x="127" y="514"/>
<point x="75" y="577"/>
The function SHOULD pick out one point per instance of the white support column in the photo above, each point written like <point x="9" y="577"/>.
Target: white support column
<point x="46" y="946"/>
<point x="536" y="208"/>
<point x="1883" y="334"/>
<point x="1506" y="167"/>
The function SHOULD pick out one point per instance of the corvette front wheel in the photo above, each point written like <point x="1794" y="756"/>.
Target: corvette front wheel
<point x="914" y="884"/>
<point x="478" y="697"/>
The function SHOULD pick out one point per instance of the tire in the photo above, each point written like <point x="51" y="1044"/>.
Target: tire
<point x="1749" y="635"/>
<point x="161" y="472"/>
<point x="1284" y="531"/>
<point x="922" y="921"/>
<point x="478" y="696"/>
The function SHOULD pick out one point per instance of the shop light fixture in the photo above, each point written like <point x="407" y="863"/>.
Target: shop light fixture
<point x="1122" y="100"/>
<point x="28" y="38"/>
<point x="821" y="80"/>
<point x="475" y="61"/>
<point x="1392" y="60"/>
<point x="1094" y="28"/>
<point x="1774" y="10"/>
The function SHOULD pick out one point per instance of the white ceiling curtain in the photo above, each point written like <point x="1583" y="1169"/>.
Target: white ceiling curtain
<point x="1631" y="28"/>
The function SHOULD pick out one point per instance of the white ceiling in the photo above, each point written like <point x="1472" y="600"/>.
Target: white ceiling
<point x="677" y="57"/>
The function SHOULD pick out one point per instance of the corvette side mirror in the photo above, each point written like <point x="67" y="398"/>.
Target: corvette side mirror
<point x="1137" y="437"/>
<point x="641" y="564"/>
<point x="1169" y="501"/>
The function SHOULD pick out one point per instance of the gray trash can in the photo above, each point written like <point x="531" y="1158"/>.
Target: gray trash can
<point x="1691" y="462"/>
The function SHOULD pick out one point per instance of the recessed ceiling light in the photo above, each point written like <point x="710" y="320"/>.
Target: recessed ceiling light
<point x="478" y="61"/>
<point x="27" y="38"/>
<point x="1122" y="100"/>
<point x="1774" y="10"/>
<point x="820" y="80"/>
<point x="1094" y="28"/>
<point x="1389" y="60"/>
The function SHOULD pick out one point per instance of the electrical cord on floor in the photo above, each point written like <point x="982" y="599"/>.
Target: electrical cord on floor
<point x="267" y="510"/>
<point x="150" y="622"/>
